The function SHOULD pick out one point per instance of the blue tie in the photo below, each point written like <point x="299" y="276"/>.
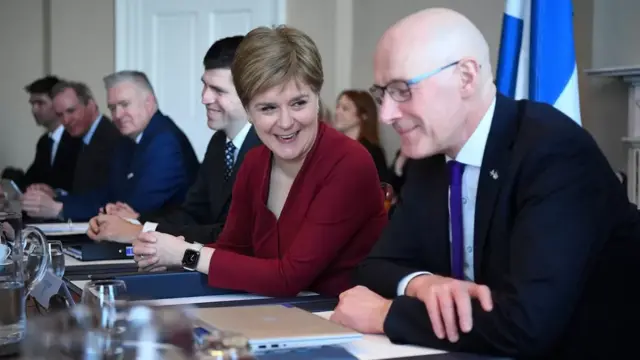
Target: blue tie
<point x="455" y="208"/>
<point x="229" y="152"/>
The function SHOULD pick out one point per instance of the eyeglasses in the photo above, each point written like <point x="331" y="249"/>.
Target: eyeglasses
<point x="400" y="90"/>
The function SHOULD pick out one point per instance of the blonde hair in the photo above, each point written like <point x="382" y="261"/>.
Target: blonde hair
<point x="269" y="57"/>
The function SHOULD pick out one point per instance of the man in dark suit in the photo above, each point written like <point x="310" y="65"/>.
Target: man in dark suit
<point x="513" y="236"/>
<point x="150" y="172"/>
<point x="76" y="108"/>
<point x="201" y="217"/>
<point x="56" y="151"/>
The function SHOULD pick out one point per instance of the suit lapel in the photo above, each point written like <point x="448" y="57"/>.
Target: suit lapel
<point x="226" y="187"/>
<point x="492" y="173"/>
<point x="436" y="216"/>
<point x="217" y="174"/>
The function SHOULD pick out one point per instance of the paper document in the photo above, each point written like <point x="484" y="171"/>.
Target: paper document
<point x="59" y="229"/>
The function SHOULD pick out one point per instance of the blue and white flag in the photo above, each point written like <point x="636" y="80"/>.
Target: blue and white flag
<point x="537" y="59"/>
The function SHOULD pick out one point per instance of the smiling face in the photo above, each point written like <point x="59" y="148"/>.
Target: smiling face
<point x="74" y="115"/>
<point x="347" y="116"/>
<point x="431" y="117"/>
<point x="131" y="107"/>
<point x="286" y="119"/>
<point x="220" y="98"/>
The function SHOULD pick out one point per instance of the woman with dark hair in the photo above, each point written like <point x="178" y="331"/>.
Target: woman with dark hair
<point x="357" y="117"/>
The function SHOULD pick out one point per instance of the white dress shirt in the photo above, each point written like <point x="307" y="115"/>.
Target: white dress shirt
<point x="56" y="136"/>
<point x="471" y="156"/>
<point x="86" y="139"/>
<point x="238" y="140"/>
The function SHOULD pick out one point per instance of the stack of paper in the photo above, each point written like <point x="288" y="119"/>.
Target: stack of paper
<point x="60" y="229"/>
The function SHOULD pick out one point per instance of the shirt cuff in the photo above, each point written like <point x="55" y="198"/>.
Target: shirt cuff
<point x="149" y="226"/>
<point x="133" y="221"/>
<point x="402" y="285"/>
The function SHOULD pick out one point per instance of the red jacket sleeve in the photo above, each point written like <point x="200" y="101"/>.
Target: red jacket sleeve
<point x="346" y="200"/>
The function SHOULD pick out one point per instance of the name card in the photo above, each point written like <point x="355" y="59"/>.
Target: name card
<point x="46" y="288"/>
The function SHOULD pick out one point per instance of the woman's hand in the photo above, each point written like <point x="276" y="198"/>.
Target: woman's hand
<point x="153" y="250"/>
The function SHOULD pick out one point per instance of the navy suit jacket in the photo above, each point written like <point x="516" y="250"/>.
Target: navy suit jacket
<point x="154" y="173"/>
<point x="555" y="240"/>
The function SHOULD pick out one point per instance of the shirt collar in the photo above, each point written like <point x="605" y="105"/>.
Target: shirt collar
<point x="139" y="137"/>
<point x="86" y="139"/>
<point x="238" y="140"/>
<point x="473" y="150"/>
<point x="56" y="134"/>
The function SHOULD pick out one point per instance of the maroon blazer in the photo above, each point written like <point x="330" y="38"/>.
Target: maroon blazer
<point x="333" y="215"/>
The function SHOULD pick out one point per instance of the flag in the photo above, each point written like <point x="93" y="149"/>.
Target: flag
<point x="537" y="58"/>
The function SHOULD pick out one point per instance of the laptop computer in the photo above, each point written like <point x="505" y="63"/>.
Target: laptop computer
<point x="274" y="327"/>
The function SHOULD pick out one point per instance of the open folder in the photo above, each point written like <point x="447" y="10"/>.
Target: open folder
<point x="60" y="229"/>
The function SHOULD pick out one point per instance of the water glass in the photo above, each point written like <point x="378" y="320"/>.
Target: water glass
<point x="223" y="345"/>
<point x="23" y="263"/>
<point x="56" y="258"/>
<point x="389" y="195"/>
<point x="141" y="332"/>
<point x="103" y="293"/>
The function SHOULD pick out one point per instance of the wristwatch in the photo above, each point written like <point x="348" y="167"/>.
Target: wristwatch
<point x="191" y="257"/>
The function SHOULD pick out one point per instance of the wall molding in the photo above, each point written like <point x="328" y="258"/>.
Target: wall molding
<point x="128" y="47"/>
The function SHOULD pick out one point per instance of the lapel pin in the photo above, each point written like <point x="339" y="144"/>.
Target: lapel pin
<point x="129" y="176"/>
<point x="493" y="174"/>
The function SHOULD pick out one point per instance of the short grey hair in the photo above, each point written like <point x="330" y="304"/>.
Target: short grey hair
<point x="82" y="91"/>
<point x="137" y="77"/>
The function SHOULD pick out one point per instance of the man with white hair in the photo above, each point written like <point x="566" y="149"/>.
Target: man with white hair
<point x="514" y="234"/>
<point x="151" y="167"/>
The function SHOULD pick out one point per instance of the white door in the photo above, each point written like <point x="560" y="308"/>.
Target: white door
<point x="167" y="39"/>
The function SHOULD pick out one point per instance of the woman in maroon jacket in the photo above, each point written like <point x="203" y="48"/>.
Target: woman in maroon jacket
<point x="307" y="205"/>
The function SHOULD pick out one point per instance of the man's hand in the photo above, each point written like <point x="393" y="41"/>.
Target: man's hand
<point x="362" y="310"/>
<point x="38" y="204"/>
<point x="43" y="188"/>
<point x="154" y="250"/>
<point x="122" y="210"/>
<point x="445" y="298"/>
<point x="113" y="228"/>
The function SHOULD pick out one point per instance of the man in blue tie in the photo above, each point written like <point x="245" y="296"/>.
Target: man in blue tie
<point x="514" y="235"/>
<point x="152" y="166"/>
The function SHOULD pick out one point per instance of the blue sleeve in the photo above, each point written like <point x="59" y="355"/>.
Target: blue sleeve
<point x="161" y="175"/>
<point x="82" y="207"/>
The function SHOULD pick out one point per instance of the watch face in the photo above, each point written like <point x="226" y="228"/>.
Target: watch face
<point x="190" y="258"/>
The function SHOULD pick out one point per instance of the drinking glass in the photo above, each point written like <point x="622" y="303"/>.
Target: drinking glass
<point x="141" y="332"/>
<point x="103" y="293"/>
<point x="56" y="258"/>
<point x="222" y="345"/>
<point x="389" y="195"/>
<point x="24" y="259"/>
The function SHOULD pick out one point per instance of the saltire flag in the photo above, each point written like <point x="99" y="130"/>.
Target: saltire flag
<point x="537" y="58"/>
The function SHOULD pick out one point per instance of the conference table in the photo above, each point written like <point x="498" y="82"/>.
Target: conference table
<point x="369" y="347"/>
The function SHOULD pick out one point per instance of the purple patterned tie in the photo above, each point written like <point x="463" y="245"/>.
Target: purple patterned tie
<point x="455" y="209"/>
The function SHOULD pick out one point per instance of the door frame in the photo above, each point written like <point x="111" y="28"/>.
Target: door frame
<point x="128" y="50"/>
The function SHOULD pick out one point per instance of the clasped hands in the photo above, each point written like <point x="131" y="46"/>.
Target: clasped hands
<point x="39" y="202"/>
<point x="446" y="300"/>
<point x="112" y="224"/>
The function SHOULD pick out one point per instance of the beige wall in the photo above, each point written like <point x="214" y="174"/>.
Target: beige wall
<point x="75" y="39"/>
<point x="20" y="62"/>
